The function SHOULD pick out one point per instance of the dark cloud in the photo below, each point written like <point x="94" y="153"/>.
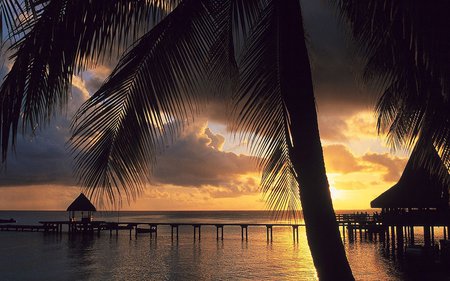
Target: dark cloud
<point x="196" y="160"/>
<point x="334" y="63"/>
<point x="43" y="158"/>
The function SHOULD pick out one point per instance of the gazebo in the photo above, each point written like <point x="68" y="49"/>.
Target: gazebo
<point x="83" y="205"/>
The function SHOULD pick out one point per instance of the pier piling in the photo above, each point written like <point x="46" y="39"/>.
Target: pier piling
<point x="269" y="232"/>
<point x="295" y="233"/>
<point x="219" y="226"/>
<point x="199" y="231"/>
<point x="244" y="226"/>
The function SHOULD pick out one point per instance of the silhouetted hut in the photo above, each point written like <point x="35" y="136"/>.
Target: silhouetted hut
<point x="83" y="205"/>
<point x="419" y="198"/>
<point x="416" y="189"/>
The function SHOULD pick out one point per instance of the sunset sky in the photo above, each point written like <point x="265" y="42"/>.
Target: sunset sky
<point x="209" y="169"/>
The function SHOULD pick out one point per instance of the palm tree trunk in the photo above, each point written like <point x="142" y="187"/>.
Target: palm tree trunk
<point x="306" y="154"/>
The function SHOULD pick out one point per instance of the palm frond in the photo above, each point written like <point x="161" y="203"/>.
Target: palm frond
<point x="425" y="155"/>
<point x="260" y="114"/>
<point x="223" y="67"/>
<point x="160" y="81"/>
<point x="12" y="14"/>
<point x="406" y="45"/>
<point x="62" y="40"/>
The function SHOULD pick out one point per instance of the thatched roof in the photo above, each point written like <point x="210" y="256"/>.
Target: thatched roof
<point x="82" y="203"/>
<point x="417" y="188"/>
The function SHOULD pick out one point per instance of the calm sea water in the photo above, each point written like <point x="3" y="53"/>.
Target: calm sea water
<point x="39" y="256"/>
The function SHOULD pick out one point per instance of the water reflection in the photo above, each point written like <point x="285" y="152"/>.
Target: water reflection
<point x="64" y="257"/>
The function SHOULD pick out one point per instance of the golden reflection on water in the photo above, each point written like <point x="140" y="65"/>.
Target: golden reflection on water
<point x="119" y="258"/>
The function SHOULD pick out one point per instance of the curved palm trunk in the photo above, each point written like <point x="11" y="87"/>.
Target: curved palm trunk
<point x="306" y="154"/>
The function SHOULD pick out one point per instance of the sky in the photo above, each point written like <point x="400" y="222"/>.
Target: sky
<point x="207" y="168"/>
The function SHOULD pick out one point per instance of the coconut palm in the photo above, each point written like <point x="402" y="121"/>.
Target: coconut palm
<point x="164" y="78"/>
<point x="405" y="45"/>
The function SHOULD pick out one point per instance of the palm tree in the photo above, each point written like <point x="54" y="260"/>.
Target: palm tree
<point x="405" y="45"/>
<point x="405" y="51"/>
<point x="277" y="102"/>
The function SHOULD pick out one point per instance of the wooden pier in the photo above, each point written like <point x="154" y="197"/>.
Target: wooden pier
<point x="350" y="223"/>
<point x="396" y="230"/>
<point x="27" y="228"/>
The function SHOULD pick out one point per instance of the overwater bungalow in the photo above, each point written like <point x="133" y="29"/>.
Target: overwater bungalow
<point x="418" y="199"/>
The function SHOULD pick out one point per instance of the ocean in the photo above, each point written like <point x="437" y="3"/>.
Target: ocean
<point x="47" y="256"/>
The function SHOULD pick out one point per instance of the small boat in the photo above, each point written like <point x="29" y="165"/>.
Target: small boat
<point x="146" y="230"/>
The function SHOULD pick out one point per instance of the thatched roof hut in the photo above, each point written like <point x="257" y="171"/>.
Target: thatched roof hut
<point x="417" y="188"/>
<point x="82" y="203"/>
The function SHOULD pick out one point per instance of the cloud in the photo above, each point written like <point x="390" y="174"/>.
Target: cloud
<point x="42" y="157"/>
<point x="96" y="77"/>
<point x="217" y="140"/>
<point x="350" y="185"/>
<point x="38" y="197"/>
<point x="394" y="166"/>
<point x="196" y="160"/>
<point x="333" y="128"/>
<point x="338" y="159"/>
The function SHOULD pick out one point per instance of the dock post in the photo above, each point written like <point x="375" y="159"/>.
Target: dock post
<point x="343" y="232"/>
<point x="243" y="226"/>
<point x="217" y="231"/>
<point x="432" y="235"/>
<point x="411" y="235"/>
<point x="393" y="236"/>
<point x="295" y="233"/>
<point x="350" y="232"/>
<point x="153" y="228"/>
<point x="426" y="236"/>
<point x="400" y="242"/>
<point x="269" y="232"/>
<point x="199" y="231"/>
<point x="172" y="226"/>
<point x="382" y="234"/>
<point x="406" y="234"/>
<point x="445" y="233"/>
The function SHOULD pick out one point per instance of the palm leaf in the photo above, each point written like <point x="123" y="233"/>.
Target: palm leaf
<point x="260" y="113"/>
<point x="12" y="15"/>
<point x="161" y="80"/>
<point x="405" y="44"/>
<point x="62" y="40"/>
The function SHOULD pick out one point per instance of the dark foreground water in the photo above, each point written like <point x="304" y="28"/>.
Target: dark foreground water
<point x="39" y="256"/>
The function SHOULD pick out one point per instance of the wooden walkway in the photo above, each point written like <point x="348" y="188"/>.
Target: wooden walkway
<point x="24" y="227"/>
<point x="361" y="222"/>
